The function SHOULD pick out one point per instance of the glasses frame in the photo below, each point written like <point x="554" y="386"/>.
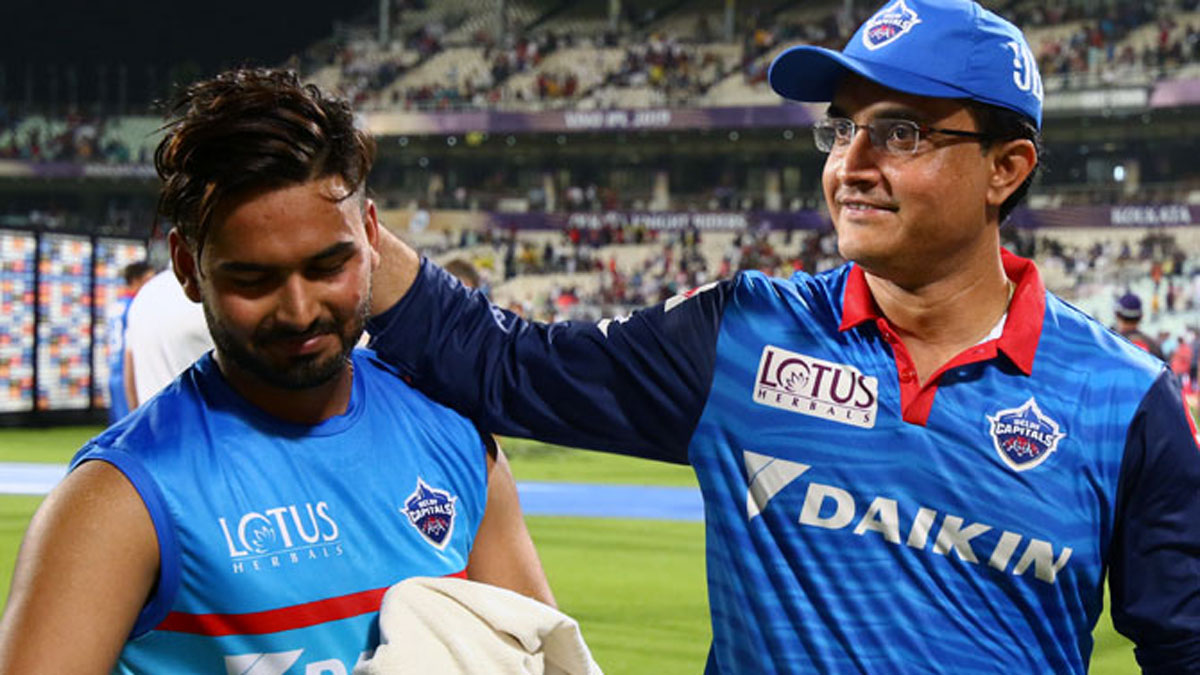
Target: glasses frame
<point x="878" y="140"/>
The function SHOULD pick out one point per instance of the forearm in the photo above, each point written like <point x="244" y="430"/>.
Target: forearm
<point x="632" y="386"/>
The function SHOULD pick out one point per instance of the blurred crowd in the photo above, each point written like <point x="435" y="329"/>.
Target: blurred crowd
<point x="684" y="66"/>
<point x="77" y="138"/>
<point x="1100" y="46"/>
<point x="678" y="69"/>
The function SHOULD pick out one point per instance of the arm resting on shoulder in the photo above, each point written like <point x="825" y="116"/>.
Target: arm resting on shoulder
<point x="86" y="567"/>
<point x="503" y="554"/>
<point x="633" y="385"/>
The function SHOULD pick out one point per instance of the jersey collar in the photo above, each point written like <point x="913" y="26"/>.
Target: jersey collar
<point x="1022" y="329"/>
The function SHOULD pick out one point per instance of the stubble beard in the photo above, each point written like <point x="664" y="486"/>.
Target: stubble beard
<point x="303" y="373"/>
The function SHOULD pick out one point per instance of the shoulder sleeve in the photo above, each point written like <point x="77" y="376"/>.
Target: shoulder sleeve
<point x="634" y="385"/>
<point x="1155" y="559"/>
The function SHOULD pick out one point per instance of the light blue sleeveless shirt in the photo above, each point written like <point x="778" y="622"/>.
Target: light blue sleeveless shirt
<point x="277" y="541"/>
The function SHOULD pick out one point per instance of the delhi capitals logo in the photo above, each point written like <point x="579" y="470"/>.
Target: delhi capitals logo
<point x="1024" y="436"/>
<point x="431" y="511"/>
<point x="888" y="25"/>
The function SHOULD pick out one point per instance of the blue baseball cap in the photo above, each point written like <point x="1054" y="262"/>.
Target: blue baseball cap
<point x="937" y="48"/>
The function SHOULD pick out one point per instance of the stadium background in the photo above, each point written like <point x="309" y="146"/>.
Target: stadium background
<point x="588" y="157"/>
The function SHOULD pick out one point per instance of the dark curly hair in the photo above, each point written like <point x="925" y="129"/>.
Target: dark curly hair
<point x="247" y="130"/>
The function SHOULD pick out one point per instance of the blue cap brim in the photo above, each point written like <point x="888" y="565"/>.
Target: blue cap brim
<point x="807" y="73"/>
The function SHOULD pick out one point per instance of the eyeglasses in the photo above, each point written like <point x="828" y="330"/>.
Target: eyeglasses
<point x="898" y="137"/>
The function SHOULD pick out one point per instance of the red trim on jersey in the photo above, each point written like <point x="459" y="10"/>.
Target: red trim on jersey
<point x="281" y="619"/>
<point x="1018" y="340"/>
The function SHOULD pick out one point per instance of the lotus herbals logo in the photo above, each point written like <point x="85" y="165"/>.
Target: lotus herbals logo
<point x="810" y="386"/>
<point x="283" y="535"/>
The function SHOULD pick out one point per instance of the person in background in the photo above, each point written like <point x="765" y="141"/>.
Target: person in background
<point x="1128" y="312"/>
<point x="135" y="275"/>
<point x="165" y="332"/>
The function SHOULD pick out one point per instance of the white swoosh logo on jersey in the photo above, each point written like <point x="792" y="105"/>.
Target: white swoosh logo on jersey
<point x="261" y="664"/>
<point x="767" y="476"/>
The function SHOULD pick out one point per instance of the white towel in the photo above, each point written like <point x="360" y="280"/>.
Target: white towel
<point x="453" y="626"/>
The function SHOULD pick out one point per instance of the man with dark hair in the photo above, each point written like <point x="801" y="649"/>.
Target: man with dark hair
<point x="251" y="516"/>
<point x="135" y="275"/>
<point x="918" y="462"/>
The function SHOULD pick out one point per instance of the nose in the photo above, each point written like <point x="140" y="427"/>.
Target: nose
<point x="858" y="160"/>
<point x="297" y="306"/>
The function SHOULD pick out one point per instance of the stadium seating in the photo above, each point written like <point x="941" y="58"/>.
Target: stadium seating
<point x="549" y="56"/>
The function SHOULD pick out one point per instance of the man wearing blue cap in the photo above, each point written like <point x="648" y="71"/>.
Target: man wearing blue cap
<point x="918" y="462"/>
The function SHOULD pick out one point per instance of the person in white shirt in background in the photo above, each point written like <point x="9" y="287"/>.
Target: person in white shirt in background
<point x="164" y="333"/>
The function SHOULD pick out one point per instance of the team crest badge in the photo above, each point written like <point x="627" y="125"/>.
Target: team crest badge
<point x="431" y="511"/>
<point x="888" y="25"/>
<point x="1024" y="436"/>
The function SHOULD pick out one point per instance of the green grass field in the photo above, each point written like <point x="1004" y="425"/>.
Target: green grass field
<point x="636" y="587"/>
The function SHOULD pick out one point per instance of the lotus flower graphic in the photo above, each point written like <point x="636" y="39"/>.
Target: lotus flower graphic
<point x="261" y="538"/>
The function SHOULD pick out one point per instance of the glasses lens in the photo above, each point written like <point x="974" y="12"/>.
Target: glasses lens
<point x="900" y="136"/>
<point x="832" y="132"/>
<point x="824" y="135"/>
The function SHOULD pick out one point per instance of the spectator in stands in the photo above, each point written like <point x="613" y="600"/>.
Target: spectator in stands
<point x="135" y="275"/>
<point x="1128" y="312"/>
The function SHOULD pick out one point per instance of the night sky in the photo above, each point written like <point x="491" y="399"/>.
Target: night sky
<point x="151" y="39"/>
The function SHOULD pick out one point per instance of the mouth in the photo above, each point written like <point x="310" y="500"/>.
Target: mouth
<point x="301" y="345"/>
<point x="863" y="206"/>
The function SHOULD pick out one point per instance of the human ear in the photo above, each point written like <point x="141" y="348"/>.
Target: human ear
<point x="1011" y="163"/>
<point x="184" y="264"/>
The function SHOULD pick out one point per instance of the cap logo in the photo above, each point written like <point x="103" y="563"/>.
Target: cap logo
<point x="888" y="25"/>
<point x="1024" y="437"/>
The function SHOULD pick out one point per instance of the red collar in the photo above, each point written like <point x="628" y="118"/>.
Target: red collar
<point x="1022" y="330"/>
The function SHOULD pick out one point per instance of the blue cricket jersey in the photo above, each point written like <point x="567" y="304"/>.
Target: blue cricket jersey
<point x="857" y="521"/>
<point x="278" y="540"/>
